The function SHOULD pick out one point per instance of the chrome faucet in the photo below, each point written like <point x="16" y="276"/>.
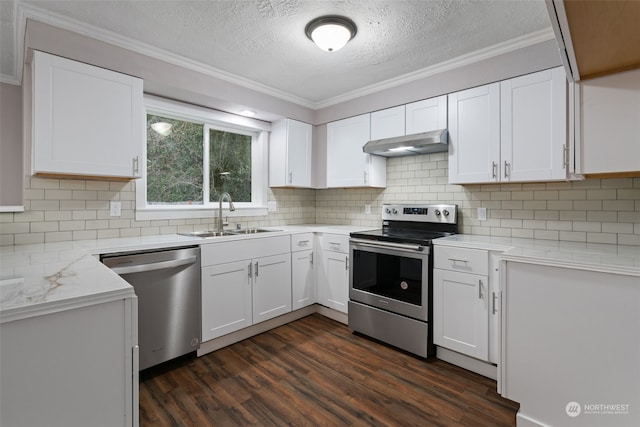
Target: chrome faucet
<point x="232" y="208"/>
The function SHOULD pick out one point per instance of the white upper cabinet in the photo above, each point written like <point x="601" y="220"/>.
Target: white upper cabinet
<point x="86" y="121"/>
<point x="290" y="151"/>
<point x="474" y="135"/>
<point x="427" y="115"/>
<point x="347" y="164"/>
<point x="511" y="131"/>
<point x="609" y="123"/>
<point x="388" y="123"/>
<point x="533" y="122"/>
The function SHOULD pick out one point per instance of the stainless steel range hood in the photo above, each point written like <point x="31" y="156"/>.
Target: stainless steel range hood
<point x="418" y="143"/>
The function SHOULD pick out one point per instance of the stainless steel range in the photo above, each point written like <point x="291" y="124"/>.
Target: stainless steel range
<point x="391" y="276"/>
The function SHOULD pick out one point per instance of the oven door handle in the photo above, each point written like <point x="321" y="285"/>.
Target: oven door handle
<point x="379" y="244"/>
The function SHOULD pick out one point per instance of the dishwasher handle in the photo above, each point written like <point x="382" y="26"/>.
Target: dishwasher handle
<point x="162" y="265"/>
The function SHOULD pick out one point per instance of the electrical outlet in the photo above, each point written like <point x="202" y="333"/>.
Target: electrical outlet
<point x="367" y="208"/>
<point x="482" y="214"/>
<point x="272" y="206"/>
<point x="115" y="208"/>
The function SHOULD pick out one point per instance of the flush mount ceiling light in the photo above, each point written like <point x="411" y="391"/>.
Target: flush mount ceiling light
<point x="163" y="128"/>
<point x="248" y="113"/>
<point x="331" y="33"/>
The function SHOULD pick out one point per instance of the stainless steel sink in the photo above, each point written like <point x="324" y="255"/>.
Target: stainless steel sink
<point x="251" y="231"/>
<point x="207" y="233"/>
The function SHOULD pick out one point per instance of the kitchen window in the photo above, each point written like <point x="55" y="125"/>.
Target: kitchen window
<point x="193" y="155"/>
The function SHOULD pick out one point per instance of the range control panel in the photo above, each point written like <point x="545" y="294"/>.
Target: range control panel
<point x="420" y="213"/>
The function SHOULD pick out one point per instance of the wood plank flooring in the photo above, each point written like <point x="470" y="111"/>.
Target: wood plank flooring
<point x="314" y="372"/>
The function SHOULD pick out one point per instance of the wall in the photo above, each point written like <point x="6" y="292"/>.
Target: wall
<point x="10" y="146"/>
<point x="593" y="210"/>
<point x="66" y="209"/>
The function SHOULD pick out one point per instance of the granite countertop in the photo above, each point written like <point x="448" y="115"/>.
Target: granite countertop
<point x="617" y="259"/>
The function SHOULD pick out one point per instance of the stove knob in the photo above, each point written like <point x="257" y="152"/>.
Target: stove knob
<point x="445" y="212"/>
<point x="387" y="210"/>
<point x="395" y="212"/>
<point x="437" y="212"/>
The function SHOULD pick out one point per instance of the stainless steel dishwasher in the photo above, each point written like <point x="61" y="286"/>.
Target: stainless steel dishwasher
<point x="167" y="284"/>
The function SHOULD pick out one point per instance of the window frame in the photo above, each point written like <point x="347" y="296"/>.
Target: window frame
<point x="210" y="119"/>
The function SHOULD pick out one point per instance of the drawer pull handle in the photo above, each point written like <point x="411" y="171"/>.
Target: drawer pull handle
<point x="495" y="297"/>
<point x="455" y="260"/>
<point x="479" y="289"/>
<point x="303" y="242"/>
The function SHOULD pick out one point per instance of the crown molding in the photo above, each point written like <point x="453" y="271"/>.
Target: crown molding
<point x="521" y="42"/>
<point x="25" y="11"/>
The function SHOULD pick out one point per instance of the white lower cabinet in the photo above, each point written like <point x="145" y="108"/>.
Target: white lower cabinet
<point x="460" y="312"/>
<point x="271" y="287"/>
<point x="74" y="367"/>
<point x="333" y="272"/>
<point x="464" y="304"/>
<point x="244" y="282"/>
<point x="226" y="299"/>
<point x="303" y="272"/>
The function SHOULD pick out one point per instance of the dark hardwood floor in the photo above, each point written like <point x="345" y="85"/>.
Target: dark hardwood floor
<point x="314" y="372"/>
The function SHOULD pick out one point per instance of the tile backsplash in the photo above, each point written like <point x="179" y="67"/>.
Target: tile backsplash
<point x="593" y="210"/>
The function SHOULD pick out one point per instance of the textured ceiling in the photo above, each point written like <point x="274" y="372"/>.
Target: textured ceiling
<point x="264" y="41"/>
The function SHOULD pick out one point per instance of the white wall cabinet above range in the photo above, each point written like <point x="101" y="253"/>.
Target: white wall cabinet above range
<point x="86" y="120"/>
<point x="511" y="131"/>
<point x="388" y="123"/>
<point x="426" y="115"/>
<point x="416" y="117"/>
<point x="347" y="164"/>
<point x="290" y="151"/>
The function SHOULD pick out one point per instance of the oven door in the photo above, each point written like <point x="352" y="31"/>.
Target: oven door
<point x="390" y="276"/>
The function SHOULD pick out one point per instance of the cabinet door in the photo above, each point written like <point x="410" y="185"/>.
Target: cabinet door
<point x="86" y="120"/>
<point x="347" y="164"/>
<point x="298" y="154"/>
<point x="427" y="115"/>
<point x="534" y="126"/>
<point x="460" y="313"/>
<point x="474" y="135"/>
<point x="290" y="150"/>
<point x="226" y="298"/>
<point x="271" y="287"/>
<point x="609" y="123"/>
<point x="336" y="287"/>
<point x="388" y="123"/>
<point x="303" y="283"/>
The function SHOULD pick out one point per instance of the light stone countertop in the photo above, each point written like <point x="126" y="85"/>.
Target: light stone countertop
<point x="43" y="278"/>
<point x="616" y="259"/>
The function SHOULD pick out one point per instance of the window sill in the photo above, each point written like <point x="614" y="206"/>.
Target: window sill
<point x="195" y="213"/>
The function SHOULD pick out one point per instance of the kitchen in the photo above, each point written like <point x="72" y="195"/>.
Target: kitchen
<point x="594" y="210"/>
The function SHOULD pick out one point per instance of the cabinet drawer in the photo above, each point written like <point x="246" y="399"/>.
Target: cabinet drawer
<point x="460" y="259"/>
<point x="335" y="243"/>
<point x="235" y="250"/>
<point x="301" y="242"/>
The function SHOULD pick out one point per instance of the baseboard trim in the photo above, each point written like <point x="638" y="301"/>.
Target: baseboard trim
<point x="485" y="369"/>
<point x="525" y="421"/>
<point x="243" y="334"/>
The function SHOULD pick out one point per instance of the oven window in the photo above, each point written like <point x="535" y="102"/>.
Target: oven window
<point x="390" y="276"/>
